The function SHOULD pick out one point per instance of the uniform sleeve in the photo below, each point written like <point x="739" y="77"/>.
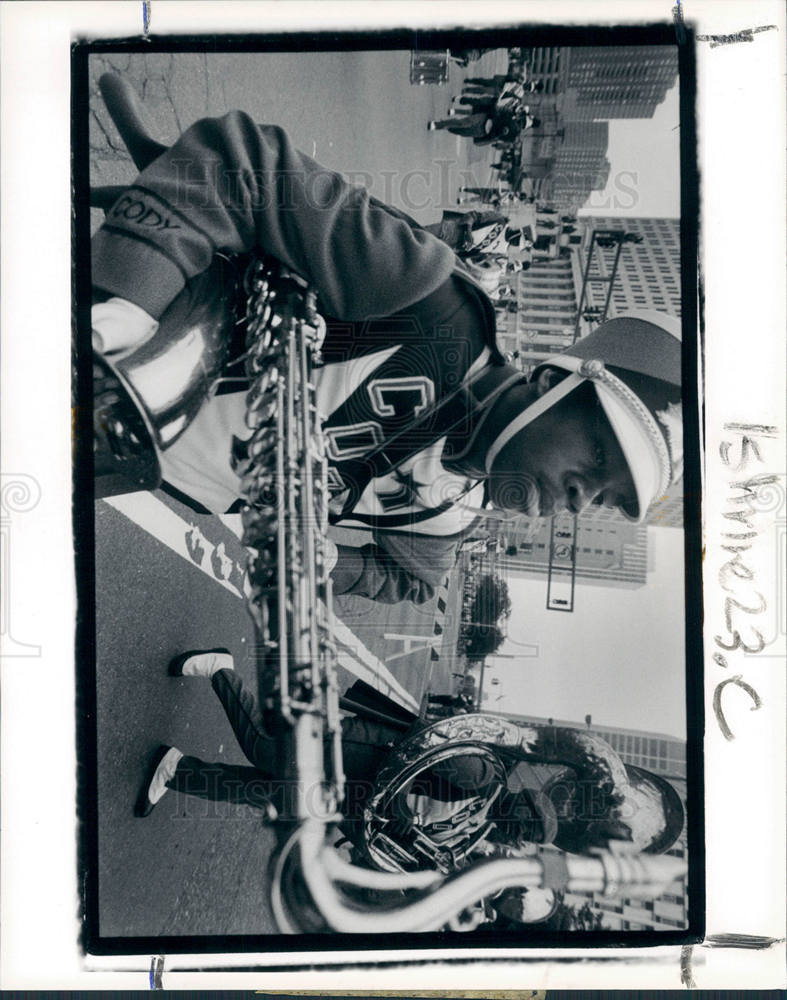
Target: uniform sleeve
<point x="229" y="184"/>
<point x="396" y="567"/>
<point x="372" y="572"/>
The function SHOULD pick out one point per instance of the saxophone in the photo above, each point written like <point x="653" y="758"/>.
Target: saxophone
<point x="285" y="485"/>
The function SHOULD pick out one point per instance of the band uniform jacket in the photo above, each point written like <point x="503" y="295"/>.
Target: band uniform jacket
<point x="407" y="328"/>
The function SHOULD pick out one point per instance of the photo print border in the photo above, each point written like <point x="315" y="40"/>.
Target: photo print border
<point x="93" y="942"/>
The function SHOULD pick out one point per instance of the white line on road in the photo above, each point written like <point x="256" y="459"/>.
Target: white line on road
<point x="160" y="521"/>
<point x="167" y="527"/>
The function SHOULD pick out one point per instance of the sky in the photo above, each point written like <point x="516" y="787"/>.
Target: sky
<point x="644" y="155"/>
<point x="618" y="657"/>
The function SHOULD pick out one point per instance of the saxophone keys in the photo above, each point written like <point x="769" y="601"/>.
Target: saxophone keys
<point x="263" y="442"/>
<point x="260" y="361"/>
<point x="268" y="380"/>
<point x="260" y="532"/>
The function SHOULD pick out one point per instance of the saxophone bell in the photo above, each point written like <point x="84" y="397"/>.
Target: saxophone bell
<point x="145" y="399"/>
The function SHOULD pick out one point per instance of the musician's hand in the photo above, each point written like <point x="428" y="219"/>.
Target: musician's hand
<point x="119" y="325"/>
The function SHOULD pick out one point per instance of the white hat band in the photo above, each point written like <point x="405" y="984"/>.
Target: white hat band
<point x="528" y="415"/>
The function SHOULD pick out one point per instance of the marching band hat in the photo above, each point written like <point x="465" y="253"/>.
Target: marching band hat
<point x="634" y="363"/>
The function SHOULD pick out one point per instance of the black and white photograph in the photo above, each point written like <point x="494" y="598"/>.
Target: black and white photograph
<point x="389" y="567"/>
<point x="392" y="499"/>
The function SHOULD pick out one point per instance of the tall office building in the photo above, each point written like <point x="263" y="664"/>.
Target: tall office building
<point x="602" y="82"/>
<point x="589" y="86"/>
<point x="648" y="275"/>
<point x="608" y="553"/>
<point x="626" y="81"/>
<point x="664" y="755"/>
<point x="580" y="164"/>
<point x="548" y="64"/>
<point x="584" y="145"/>
<point x="546" y="308"/>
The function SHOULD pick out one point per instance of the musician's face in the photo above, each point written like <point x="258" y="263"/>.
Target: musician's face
<point x="565" y="460"/>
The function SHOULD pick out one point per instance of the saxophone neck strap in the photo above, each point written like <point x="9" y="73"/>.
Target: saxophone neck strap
<point x="460" y="407"/>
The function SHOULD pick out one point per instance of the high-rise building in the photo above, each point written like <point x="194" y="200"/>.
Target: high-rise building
<point x="626" y="81"/>
<point x="587" y="86"/>
<point x="608" y="553"/>
<point x="547" y="64"/>
<point x="602" y="82"/>
<point x="648" y="275"/>
<point x="580" y="163"/>
<point x="544" y="320"/>
<point x="664" y="755"/>
<point x="584" y="144"/>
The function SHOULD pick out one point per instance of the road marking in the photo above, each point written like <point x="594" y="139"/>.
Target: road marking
<point x="411" y="643"/>
<point x="186" y="540"/>
<point x="167" y="527"/>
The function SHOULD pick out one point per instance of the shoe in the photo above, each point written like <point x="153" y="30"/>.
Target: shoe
<point x="431" y="126"/>
<point x="161" y="769"/>
<point x="179" y="666"/>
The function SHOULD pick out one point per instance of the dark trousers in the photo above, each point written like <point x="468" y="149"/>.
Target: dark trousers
<point x="468" y="125"/>
<point x="478" y="102"/>
<point x="495" y="82"/>
<point x="364" y="745"/>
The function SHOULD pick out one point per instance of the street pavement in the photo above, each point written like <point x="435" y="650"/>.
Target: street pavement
<point x="169" y="580"/>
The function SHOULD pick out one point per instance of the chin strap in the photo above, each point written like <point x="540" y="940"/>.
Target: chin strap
<point x="484" y="399"/>
<point x="527" y="416"/>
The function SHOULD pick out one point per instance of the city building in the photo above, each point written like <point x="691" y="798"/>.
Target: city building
<point x="566" y="161"/>
<point x="584" y="146"/>
<point x="587" y="87"/>
<point x="663" y="755"/>
<point x="648" y="275"/>
<point x="625" y="81"/>
<point x="548" y="65"/>
<point x="543" y="322"/>
<point x="608" y="553"/>
<point x="603" y="82"/>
